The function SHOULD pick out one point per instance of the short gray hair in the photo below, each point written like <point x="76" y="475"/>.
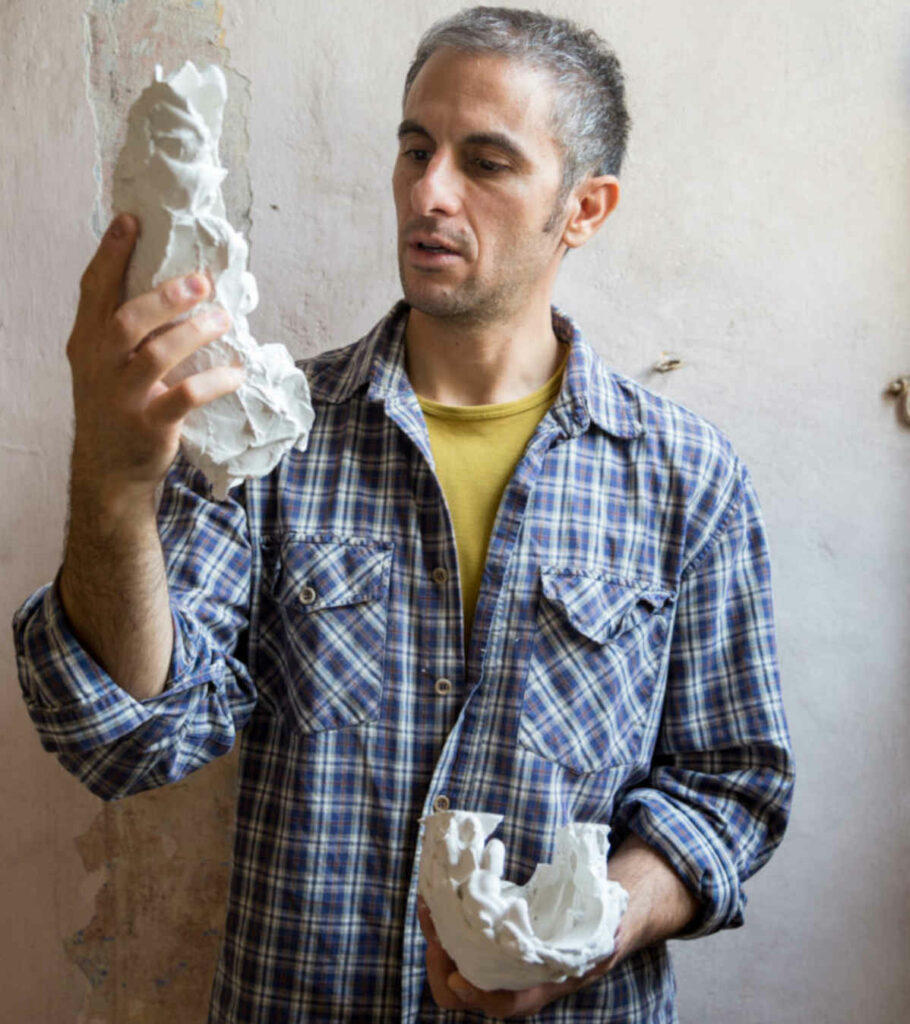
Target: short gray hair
<point x="590" y="120"/>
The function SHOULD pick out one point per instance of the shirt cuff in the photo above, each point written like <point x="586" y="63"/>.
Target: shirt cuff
<point x="75" y="705"/>
<point x="694" y="852"/>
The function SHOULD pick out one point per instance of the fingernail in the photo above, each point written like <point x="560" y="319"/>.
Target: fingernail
<point x="194" y="284"/>
<point x="218" y="320"/>
<point x="461" y="988"/>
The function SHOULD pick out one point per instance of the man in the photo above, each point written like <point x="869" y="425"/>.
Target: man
<point x="501" y="578"/>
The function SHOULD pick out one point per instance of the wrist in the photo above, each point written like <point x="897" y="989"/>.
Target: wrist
<point x="660" y="905"/>
<point x="109" y="526"/>
<point x="107" y="501"/>
<point x="634" y="932"/>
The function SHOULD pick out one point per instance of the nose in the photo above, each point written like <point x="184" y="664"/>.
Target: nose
<point x="436" y="190"/>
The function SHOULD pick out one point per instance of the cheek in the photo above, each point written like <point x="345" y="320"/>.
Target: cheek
<point x="504" y="234"/>
<point x="494" y="222"/>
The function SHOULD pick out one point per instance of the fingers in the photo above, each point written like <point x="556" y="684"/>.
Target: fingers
<point x="128" y="418"/>
<point x="426" y="920"/>
<point x="506" y="1004"/>
<point x="123" y="328"/>
<point x="158" y="355"/>
<point x="194" y="392"/>
<point x="452" y="991"/>
<point x="439" y="964"/>
<point x="100" y="284"/>
<point x="440" y="968"/>
<point x="499" y="1003"/>
<point x="144" y="314"/>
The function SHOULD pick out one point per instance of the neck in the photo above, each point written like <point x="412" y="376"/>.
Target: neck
<point x="480" y="364"/>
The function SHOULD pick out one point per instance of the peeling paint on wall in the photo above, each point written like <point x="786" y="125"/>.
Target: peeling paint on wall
<point x="162" y="861"/>
<point x="123" y="43"/>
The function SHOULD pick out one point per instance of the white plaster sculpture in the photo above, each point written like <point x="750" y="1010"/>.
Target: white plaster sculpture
<point x="169" y="175"/>
<point x="503" y="935"/>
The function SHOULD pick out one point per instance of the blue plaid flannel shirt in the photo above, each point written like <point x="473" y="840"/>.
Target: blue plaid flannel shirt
<point x="622" y="669"/>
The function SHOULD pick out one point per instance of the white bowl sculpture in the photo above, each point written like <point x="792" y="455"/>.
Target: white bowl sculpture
<point x="507" y="936"/>
<point x="169" y="175"/>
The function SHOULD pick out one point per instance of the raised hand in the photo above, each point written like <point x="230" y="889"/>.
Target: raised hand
<point x="128" y="420"/>
<point x="113" y="583"/>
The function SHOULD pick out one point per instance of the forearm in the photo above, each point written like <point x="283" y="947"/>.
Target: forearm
<point x="114" y="742"/>
<point x="660" y="904"/>
<point x="131" y="685"/>
<point x="113" y="587"/>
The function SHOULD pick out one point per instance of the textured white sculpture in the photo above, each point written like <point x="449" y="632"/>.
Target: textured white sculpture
<point x="169" y="175"/>
<point x="503" y="935"/>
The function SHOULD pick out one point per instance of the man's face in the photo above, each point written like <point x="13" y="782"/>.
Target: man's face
<point x="476" y="179"/>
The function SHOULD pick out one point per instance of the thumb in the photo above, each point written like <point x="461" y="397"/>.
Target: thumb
<point x="100" y="284"/>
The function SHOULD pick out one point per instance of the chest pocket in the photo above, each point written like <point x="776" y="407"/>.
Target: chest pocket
<point x="594" y="669"/>
<point x="320" y="649"/>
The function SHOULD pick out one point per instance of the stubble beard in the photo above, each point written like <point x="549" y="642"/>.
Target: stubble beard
<point x="464" y="303"/>
<point x="470" y="303"/>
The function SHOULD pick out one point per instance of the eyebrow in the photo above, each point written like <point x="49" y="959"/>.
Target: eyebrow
<point x="408" y="127"/>
<point x="497" y="139"/>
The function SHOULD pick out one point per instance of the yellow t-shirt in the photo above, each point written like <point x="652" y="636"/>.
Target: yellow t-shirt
<point x="476" y="449"/>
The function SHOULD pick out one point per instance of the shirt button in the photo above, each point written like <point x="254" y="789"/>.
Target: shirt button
<point x="307" y="595"/>
<point x="439" y="575"/>
<point x="441" y="803"/>
<point x="443" y="687"/>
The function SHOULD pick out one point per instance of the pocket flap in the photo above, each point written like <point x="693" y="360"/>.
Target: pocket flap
<point x="601" y="608"/>
<point x="332" y="573"/>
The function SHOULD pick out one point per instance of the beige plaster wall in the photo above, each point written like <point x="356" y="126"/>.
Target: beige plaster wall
<point x="762" y="237"/>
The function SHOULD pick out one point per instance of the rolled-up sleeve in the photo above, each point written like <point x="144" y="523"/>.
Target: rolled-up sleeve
<point x="116" y="744"/>
<point x="717" y="799"/>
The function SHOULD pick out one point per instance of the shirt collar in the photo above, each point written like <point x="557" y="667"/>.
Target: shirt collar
<point x="590" y="391"/>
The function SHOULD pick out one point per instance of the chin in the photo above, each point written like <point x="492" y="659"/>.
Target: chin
<point x="442" y="303"/>
<point x="441" y="307"/>
<point x="429" y="299"/>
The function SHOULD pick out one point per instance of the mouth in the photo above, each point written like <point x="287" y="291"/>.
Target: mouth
<point x="427" y="247"/>
<point x="431" y="254"/>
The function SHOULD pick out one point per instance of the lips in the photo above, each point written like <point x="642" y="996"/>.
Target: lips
<point x="431" y="255"/>
<point x="433" y="248"/>
<point x="433" y="244"/>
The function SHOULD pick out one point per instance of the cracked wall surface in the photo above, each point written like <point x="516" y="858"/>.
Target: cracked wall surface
<point x="149" y="950"/>
<point x="124" y="40"/>
<point x="162" y="859"/>
<point x="761" y="236"/>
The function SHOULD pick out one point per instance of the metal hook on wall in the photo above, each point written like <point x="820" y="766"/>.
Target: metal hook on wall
<point x="900" y="388"/>
<point x="666" y="363"/>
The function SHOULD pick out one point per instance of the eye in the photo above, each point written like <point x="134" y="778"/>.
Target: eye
<point x="417" y="155"/>
<point x="490" y="166"/>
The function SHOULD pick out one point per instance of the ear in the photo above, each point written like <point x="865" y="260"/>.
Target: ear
<point x="591" y="202"/>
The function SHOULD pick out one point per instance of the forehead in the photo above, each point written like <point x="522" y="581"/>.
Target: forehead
<point x="468" y="92"/>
